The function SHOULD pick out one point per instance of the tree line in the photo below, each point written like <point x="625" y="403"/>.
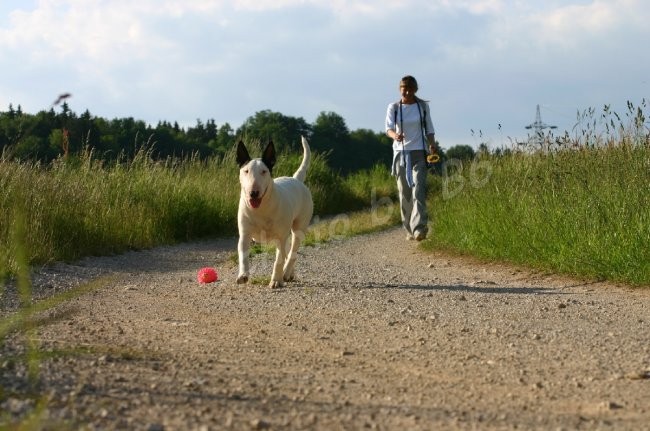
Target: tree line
<point x="51" y="134"/>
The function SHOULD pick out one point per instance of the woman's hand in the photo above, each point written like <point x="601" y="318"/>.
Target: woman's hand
<point x="399" y="137"/>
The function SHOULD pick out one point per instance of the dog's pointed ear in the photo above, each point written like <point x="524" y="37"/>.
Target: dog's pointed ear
<point x="268" y="157"/>
<point x="242" y="154"/>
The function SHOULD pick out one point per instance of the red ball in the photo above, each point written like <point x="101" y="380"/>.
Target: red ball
<point x="207" y="275"/>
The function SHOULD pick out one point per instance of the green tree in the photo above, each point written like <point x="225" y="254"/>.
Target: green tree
<point x="49" y="134"/>
<point x="266" y="125"/>
<point x="224" y="139"/>
<point x="30" y="147"/>
<point x="55" y="140"/>
<point x="332" y="137"/>
<point x="371" y="148"/>
<point x="10" y="129"/>
<point x="461" y="152"/>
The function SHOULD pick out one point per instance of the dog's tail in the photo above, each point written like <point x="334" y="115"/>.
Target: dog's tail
<point x="301" y="173"/>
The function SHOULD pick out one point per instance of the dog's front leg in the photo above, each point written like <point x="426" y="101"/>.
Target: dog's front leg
<point x="280" y="255"/>
<point x="243" y="248"/>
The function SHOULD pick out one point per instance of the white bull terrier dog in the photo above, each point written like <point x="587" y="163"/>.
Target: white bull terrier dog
<point x="272" y="209"/>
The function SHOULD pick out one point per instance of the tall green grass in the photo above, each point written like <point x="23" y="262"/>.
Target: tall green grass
<point x="80" y="207"/>
<point x="583" y="212"/>
<point x="83" y="206"/>
<point x="580" y="209"/>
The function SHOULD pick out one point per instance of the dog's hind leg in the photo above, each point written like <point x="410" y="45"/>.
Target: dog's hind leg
<point x="280" y="256"/>
<point x="289" y="267"/>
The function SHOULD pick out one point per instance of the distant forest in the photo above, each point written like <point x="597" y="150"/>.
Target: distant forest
<point x="52" y="134"/>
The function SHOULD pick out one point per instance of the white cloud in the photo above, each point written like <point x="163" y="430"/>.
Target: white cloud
<point x="83" y="30"/>
<point x="182" y="60"/>
<point x="573" y="26"/>
<point x="476" y="7"/>
<point x="539" y="34"/>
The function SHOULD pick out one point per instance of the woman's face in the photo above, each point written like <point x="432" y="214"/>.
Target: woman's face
<point x="408" y="92"/>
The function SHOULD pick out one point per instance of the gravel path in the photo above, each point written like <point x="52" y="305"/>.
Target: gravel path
<point x="374" y="334"/>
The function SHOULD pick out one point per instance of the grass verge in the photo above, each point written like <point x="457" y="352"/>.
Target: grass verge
<point x="578" y="212"/>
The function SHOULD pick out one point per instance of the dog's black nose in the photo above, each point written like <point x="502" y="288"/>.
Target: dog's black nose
<point x="254" y="194"/>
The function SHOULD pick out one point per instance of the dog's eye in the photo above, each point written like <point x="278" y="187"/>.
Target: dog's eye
<point x="245" y="171"/>
<point x="264" y="172"/>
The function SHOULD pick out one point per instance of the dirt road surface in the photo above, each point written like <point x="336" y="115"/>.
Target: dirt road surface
<point x="375" y="334"/>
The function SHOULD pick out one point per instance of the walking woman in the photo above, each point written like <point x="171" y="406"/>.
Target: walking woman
<point x="409" y="125"/>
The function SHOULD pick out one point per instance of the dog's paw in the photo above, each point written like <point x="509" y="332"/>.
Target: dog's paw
<point x="242" y="279"/>
<point x="275" y="284"/>
<point x="288" y="277"/>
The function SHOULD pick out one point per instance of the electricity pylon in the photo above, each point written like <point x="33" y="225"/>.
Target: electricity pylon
<point x="538" y="126"/>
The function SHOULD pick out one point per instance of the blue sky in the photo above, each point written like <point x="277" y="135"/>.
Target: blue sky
<point x="480" y="63"/>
